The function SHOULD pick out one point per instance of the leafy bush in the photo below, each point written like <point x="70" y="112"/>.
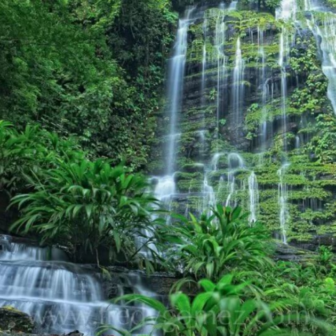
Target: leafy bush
<point x="31" y="150"/>
<point x="217" y="244"/>
<point x="93" y="69"/>
<point x="90" y="204"/>
<point x="325" y="255"/>
<point x="220" y="309"/>
<point x="65" y="197"/>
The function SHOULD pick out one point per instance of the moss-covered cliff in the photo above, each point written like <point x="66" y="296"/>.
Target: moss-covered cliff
<point x="277" y="113"/>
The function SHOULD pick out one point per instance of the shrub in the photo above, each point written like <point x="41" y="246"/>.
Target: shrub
<point x="217" y="244"/>
<point x="219" y="309"/>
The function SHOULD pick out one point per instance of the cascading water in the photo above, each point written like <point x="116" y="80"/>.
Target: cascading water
<point x="286" y="11"/>
<point x="63" y="297"/>
<point x="243" y="92"/>
<point x="282" y="199"/>
<point x="209" y="197"/>
<point x="282" y="194"/>
<point x="212" y="59"/>
<point x="325" y="30"/>
<point x="165" y="187"/>
<point x="60" y="296"/>
<point x="235" y="163"/>
<point x="254" y="196"/>
<point x="238" y="88"/>
<point x="221" y="62"/>
<point x="204" y="63"/>
<point x="203" y="85"/>
<point x="263" y="86"/>
<point x="175" y="84"/>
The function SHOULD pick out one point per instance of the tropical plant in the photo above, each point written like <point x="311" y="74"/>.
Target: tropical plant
<point x="216" y="244"/>
<point x="92" y="69"/>
<point x="220" y="309"/>
<point x="31" y="150"/>
<point x="325" y="255"/>
<point x="90" y="205"/>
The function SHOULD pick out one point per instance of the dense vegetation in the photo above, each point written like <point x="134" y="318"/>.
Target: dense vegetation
<point x="81" y="92"/>
<point x="90" y="69"/>
<point x="90" y="206"/>
<point x="274" y="298"/>
<point x="66" y="197"/>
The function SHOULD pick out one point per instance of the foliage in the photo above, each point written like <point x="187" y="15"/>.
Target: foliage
<point x="31" y="150"/>
<point x="222" y="308"/>
<point x="286" y="299"/>
<point x="216" y="244"/>
<point x="92" y="69"/>
<point x="90" y="204"/>
<point x="63" y="196"/>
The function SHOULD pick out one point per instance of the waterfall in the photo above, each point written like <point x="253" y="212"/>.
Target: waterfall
<point x="235" y="162"/>
<point x="221" y="62"/>
<point x="233" y="5"/>
<point x="327" y="34"/>
<point x="209" y="196"/>
<point x="264" y="86"/>
<point x="286" y="11"/>
<point x="165" y="187"/>
<point x="282" y="64"/>
<point x="254" y="196"/>
<point x="282" y="200"/>
<point x="238" y="88"/>
<point x="215" y="159"/>
<point x="175" y="84"/>
<point x="204" y="63"/>
<point x="61" y="297"/>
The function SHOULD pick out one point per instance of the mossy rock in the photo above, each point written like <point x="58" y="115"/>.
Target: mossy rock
<point x="14" y="320"/>
<point x="193" y="168"/>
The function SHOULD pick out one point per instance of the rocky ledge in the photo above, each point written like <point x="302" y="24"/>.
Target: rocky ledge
<point x="14" y="321"/>
<point x="2" y="333"/>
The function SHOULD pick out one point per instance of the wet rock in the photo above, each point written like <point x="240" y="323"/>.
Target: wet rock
<point x="13" y="320"/>
<point x="291" y="253"/>
<point x="74" y="333"/>
<point x="194" y="168"/>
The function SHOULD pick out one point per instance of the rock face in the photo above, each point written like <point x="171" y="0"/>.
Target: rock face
<point x="74" y="333"/>
<point x="254" y="126"/>
<point x="14" y="321"/>
<point x="124" y="281"/>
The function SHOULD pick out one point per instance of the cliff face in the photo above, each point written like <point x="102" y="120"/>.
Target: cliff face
<point x="254" y="125"/>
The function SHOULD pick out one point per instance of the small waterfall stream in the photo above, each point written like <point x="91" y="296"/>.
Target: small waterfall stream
<point x="238" y="88"/>
<point x="60" y="296"/>
<point x="175" y="87"/>
<point x="325" y="31"/>
<point x="221" y="63"/>
<point x="282" y="199"/>
<point x="235" y="162"/>
<point x="254" y="196"/>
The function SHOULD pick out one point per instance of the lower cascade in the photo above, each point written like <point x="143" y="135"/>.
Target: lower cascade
<point x="60" y="296"/>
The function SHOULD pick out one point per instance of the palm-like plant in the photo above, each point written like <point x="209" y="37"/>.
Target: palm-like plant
<point x="216" y="244"/>
<point x="90" y="204"/>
